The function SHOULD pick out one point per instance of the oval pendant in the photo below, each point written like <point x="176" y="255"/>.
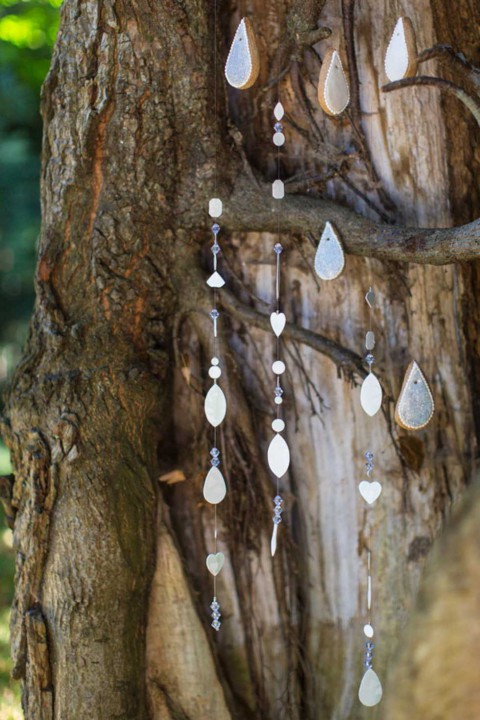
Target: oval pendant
<point x="329" y="258"/>
<point x="415" y="406"/>
<point x="243" y="63"/>
<point x="214" y="488"/>
<point x="370" y="691"/>
<point x="371" y="395"/>
<point x="215" y="405"/>
<point x="278" y="456"/>
<point x="333" y="90"/>
<point x="401" y="55"/>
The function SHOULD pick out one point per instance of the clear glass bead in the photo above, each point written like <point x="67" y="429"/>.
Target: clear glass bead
<point x="278" y="127"/>
<point x="214" y="314"/>
<point x="278" y="248"/>
<point x="278" y="391"/>
<point x="369" y="359"/>
<point x="215" y="248"/>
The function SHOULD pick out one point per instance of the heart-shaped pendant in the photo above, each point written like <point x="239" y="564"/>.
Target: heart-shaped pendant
<point x="370" y="491"/>
<point x="277" y="321"/>
<point x="215" y="562"/>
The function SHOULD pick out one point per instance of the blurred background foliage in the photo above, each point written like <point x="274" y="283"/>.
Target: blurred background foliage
<point x="27" y="33"/>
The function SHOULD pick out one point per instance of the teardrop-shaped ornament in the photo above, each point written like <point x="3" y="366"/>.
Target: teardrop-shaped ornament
<point x="278" y="456"/>
<point x="243" y="63"/>
<point x="329" y="258"/>
<point x="401" y="55"/>
<point x="215" y="405"/>
<point x="333" y="89"/>
<point x="415" y="406"/>
<point x="370" y="691"/>
<point x="214" y="488"/>
<point x="371" y="395"/>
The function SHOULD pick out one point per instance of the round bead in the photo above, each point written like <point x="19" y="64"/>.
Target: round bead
<point x="278" y="425"/>
<point x="368" y="631"/>
<point x="278" y="367"/>
<point x="278" y="400"/>
<point x="215" y="361"/>
<point x="214" y="372"/>
<point x="278" y="139"/>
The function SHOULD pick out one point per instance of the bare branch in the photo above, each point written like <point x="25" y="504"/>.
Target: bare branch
<point x="347" y="361"/>
<point x="446" y="55"/>
<point x="251" y="208"/>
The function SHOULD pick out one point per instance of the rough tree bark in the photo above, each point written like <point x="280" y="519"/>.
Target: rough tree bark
<point x="104" y="417"/>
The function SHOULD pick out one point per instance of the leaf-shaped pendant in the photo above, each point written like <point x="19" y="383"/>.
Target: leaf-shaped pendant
<point x="243" y="63"/>
<point x="215" y="405"/>
<point x="401" y="55"/>
<point x="415" y="406"/>
<point x="370" y="691"/>
<point x="329" y="258"/>
<point x="333" y="90"/>
<point x="278" y="456"/>
<point x="214" y="488"/>
<point x="371" y="395"/>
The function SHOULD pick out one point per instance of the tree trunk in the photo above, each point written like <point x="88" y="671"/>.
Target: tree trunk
<point x="105" y="414"/>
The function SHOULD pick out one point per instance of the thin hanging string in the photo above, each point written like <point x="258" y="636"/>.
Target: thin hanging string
<point x="369" y="587"/>
<point x="215" y="340"/>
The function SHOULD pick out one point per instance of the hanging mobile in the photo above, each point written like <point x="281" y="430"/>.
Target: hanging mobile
<point x="214" y="487"/>
<point x="370" y="690"/>
<point x="329" y="258"/>
<point x="243" y="61"/>
<point x="415" y="405"/>
<point x="333" y="89"/>
<point x="278" y="455"/>
<point x="401" y="56"/>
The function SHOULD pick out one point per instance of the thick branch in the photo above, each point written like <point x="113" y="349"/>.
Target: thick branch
<point x="446" y="55"/>
<point x="251" y="208"/>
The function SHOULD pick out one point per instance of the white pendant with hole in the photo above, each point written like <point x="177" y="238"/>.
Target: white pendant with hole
<point x="415" y="406"/>
<point x="329" y="258"/>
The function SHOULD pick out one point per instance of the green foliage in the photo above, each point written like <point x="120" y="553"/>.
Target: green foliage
<point x="27" y="34"/>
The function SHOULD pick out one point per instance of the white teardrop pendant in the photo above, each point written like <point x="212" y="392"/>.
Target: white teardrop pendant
<point x="371" y="395"/>
<point x="333" y="90"/>
<point x="329" y="258"/>
<point x="278" y="456"/>
<point x="214" y="488"/>
<point x="215" y="405"/>
<point x="401" y="55"/>
<point x="415" y="406"/>
<point x="370" y="691"/>
<point x="243" y="63"/>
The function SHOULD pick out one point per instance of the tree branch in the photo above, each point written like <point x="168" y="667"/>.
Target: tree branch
<point x="251" y="208"/>
<point x="347" y="361"/>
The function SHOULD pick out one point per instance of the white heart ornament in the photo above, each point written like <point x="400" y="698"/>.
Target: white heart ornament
<point x="214" y="488"/>
<point x="215" y="562"/>
<point x="278" y="456"/>
<point x="277" y="321"/>
<point x="371" y="395"/>
<point x="370" y="491"/>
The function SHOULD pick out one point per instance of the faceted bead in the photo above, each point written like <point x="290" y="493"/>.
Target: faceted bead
<point x="278" y="248"/>
<point x="278" y="127"/>
<point x="214" y="452"/>
<point x="214" y="314"/>
<point x="369" y="359"/>
<point x="215" y="228"/>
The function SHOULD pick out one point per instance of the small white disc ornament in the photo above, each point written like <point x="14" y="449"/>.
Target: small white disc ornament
<point x="277" y="321"/>
<point x="215" y="562"/>
<point x="370" y="691"/>
<point x="278" y="456"/>
<point x="279" y="139"/>
<point x="333" y="90"/>
<point x="215" y="207"/>
<point x="329" y="258"/>
<point x="370" y="491"/>
<point x="278" y="367"/>
<point x="415" y="406"/>
<point x="401" y="55"/>
<point x="215" y="280"/>
<point x="215" y="405"/>
<point x="214" y="488"/>
<point x="371" y="395"/>
<point x="278" y="425"/>
<point x="243" y="63"/>
<point x="278" y="190"/>
<point x="214" y="372"/>
<point x="368" y="630"/>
